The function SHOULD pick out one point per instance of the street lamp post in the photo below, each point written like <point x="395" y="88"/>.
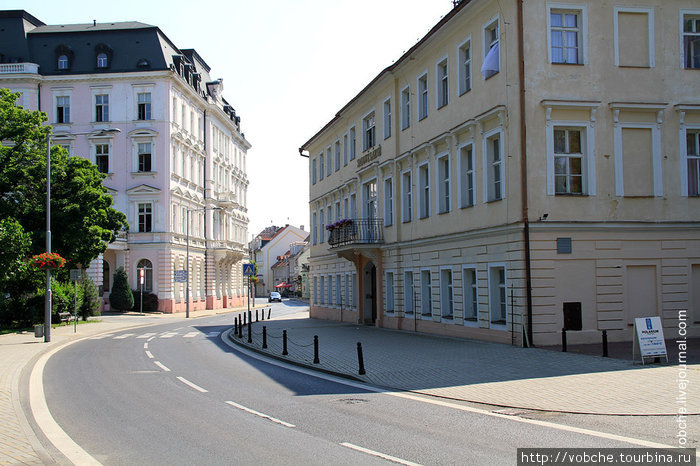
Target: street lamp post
<point x="47" y="297"/>
<point x="187" y="256"/>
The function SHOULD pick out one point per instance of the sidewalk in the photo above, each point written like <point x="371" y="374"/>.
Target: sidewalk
<point x="482" y="372"/>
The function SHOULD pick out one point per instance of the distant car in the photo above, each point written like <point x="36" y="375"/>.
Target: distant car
<point x="274" y="296"/>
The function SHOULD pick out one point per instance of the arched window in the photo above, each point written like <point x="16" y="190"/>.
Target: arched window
<point x="147" y="267"/>
<point x="102" y="60"/>
<point x="105" y="276"/>
<point x="63" y="62"/>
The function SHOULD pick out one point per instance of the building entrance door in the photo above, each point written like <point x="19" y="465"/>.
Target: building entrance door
<point x="370" y="293"/>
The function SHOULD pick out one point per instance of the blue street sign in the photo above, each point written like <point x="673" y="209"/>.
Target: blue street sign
<point x="180" y="276"/>
<point x="248" y="270"/>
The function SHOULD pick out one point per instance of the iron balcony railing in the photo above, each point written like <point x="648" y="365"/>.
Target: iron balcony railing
<point x="358" y="231"/>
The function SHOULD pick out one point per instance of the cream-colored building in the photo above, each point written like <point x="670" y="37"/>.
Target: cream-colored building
<point x="515" y="167"/>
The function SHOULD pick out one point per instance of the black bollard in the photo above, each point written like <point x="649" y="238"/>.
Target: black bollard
<point x="250" y="317"/>
<point x="563" y="340"/>
<point x="240" y="326"/>
<point x="250" y="337"/>
<point x="316" y="361"/>
<point x="257" y="319"/>
<point x="264" y="337"/>
<point x="284" y="343"/>
<point x="235" y="325"/>
<point x="360" y="359"/>
<point x="605" y="343"/>
<point x="269" y="309"/>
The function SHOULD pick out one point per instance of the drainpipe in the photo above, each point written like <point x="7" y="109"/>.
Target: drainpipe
<point x="204" y="182"/>
<point x="523" y="170"/>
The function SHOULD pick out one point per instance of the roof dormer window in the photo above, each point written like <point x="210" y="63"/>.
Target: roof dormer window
<point x="102" y="60"/>
<point x="62" y="62"/>
<point x="103" y="56"/>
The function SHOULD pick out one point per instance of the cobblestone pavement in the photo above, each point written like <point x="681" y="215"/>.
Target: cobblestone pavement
<point x="482" y="372"/>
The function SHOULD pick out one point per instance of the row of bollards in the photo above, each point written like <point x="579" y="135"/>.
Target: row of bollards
<point x="564" y="346"/>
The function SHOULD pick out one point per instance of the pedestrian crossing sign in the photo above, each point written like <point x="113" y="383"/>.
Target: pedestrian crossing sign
<point x="248" y="270"/>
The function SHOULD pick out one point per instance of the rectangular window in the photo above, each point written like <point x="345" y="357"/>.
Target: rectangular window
<point x="329" y="162"/>
<point x="424" y="191"/>
<point x="369" y="191"/>
<point x="63" y="109"/>
<point x="321" y="291"/>
<point x="405" y="108"/>
<point x="465" y="67"/>
<point x="443" y="165"/>
<point x="368" y="132"/>
<point x="492" y="55"/>
<point x="315" y="290"/>
<point x="345" y="150"/>
<point x="337" y="210"/>
<point x="389" y="292"/>
<point x="568" y="161"/>
<point x="354" y="290"/>
<point x="101" y="108"/>
<point x="337" y="155"/>
<point x="346" y="211"/>
<point x="388" y="202"/>
<point x="494" y="168"/>
<point x="102" y="157"/>
<point x="145" y="217"/>
<point x="353" y="144"/>
<point x="144" y="106"/>
<point x="693" y="160"/>
<point x="466" y="163"/>
<point x="691" y="41"/>
<point x="442" y="84"/>
<point x="329" y="220"/>
<point x="320" y="166"/>
<point x="634" y="37"/>
<point x="313" y="171"/>
<point x="353" y="206"/>
<point x="408" y="293"/>
<point x="423" y="97"/>
<point x="314" y="239"/>
<point x="426" y="296"/>
<point x="565" y="36"/>
<point x="347" y="289"/>
<point x="497" y="295"/>
<point x="330" y="289"/>
<point x="446" y="296"/>
<point x="144" y="156"/>
<point x="406" y="197"/>
<point x="387" y="118"/>
<point x="338" y="296"/>
<point x="470" y="296"/>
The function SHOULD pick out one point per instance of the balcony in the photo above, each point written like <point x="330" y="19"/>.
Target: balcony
<point x="356" y="232"/>
<point x="17" y="68"/>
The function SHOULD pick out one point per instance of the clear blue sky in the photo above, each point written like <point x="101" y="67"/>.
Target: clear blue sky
<point x="287" y="66"/>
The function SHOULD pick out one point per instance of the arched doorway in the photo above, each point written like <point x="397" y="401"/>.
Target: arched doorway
<point x="370" y="293"/>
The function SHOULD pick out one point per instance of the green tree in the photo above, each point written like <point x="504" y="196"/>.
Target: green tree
<point x="91" y="300"/>
<point x="121" y="298"/>
<point x="82" y="219"/>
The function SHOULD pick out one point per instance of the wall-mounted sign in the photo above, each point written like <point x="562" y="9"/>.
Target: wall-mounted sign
<point x="370" y="156"/>
<point x="180" y="276"/>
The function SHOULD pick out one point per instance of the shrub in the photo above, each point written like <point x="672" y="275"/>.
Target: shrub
<point x="91" y="299"/>
<point x="150" y="301"/>
<point x="121" y="298"/>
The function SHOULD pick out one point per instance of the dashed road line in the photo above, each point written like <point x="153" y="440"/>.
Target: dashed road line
<point x="192" y="385"/>
<point x="213" y="334"/>
<point x="100" y="337"/>
<point x="190" y="335"/>
<point x="148" y="353"/>
<point x="167" y="335"/>
<point x="257" y="413"/>
<point x="159" y="364"/>
<point x="126" y="335"/>
<point x="146" y="335"/>
<point x="378" y="454"/>
<point x="145" y="345"/>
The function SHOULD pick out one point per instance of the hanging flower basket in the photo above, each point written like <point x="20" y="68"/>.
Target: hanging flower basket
<point x="47" y="260"/>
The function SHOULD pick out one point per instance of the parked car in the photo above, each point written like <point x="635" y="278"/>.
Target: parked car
<point x="274" y="296"/>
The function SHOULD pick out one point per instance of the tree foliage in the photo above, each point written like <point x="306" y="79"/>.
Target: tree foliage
<point x="121" y="298"/>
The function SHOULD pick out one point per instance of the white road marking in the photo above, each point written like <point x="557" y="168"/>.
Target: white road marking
<point x="378" y="454"/>
<point x="148" y="353"/>
<point x="145" y="345"/>
<point x="551" y="425"/>
<point x="190" y="335"/>
<point x="159" y="364"/>
<point x="146" y="335"/>
<point x="195" y="386"/>
<point x="126" y="335"/>
<point x="167" y="334"/>
<point x="213" y="334"/>
<point x="100" y="337"/>
<point x="150" y="339"/>
<point x="252" y="411"/>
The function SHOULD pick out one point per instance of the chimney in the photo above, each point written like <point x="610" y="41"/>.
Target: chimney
<point x="301" y="227"/>
<point x="94" y="22"/>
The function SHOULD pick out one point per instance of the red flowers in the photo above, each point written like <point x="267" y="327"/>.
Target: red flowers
<point x="47" y="260"/>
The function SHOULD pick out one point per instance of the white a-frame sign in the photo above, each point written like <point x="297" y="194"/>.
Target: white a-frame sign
<point x="649" y="336"/>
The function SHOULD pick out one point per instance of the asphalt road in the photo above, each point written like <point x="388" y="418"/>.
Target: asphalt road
<point x="178" y="394"/>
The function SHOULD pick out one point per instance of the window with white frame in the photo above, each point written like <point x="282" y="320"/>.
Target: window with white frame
<point x="467" y="178"/>
<point x="330" y="289"/>
<point x="369" y="192"/>
<point x="408" y="292"/>
<point x="353" y="144"/>
<point x="147" y="267"/>
<point x="426" y="297"/>
<point x="336" y="148"/>
<point x="424" y="190"/>
<point x="405" y="108"/>
<point x="345" y="150"/>
<point x="442" y="84"/>
<point x="322" y="226"/>
<point x="329" y="220"/>
<point x="692" y="155"/>
<point x="338" y="289"/>
<point x="313" y="171"/>
<point x="102" y="157"/>
<point x="633" y="33"/>
<point x="566" y="35"/>
<point x="353" y="206"/>
<point x="145" y="217"/>
<point x="388" y="202"/>
<point x="389" y="282"/>
<point x="316" y="290"/>
<point x="568" y="160"/>
<point x="492" y="55"/>
<point x="446" y="295"/>
<point x="691" y="40"/>
<point x="346" y="208"/>
<point x="423" y="96"/>
<point x="443" y="180"/>
<point x="320" y="166"/>
<point x="406" y="197"/>
<point x="143" y="106"/>
<point x="470" y="294"/>
<point x="329" y="161"/>
<point x="63" y="109"/>
<point x="102" y="60"/>
<point x="314" y="225"/>
<point x="337" y="211"/>
<point x="322" y="289"/>
<point x="347" y="289"/>
<point x="62" y="62"/>
<point x="386" y="123"/>
<point x="465" y="66"/>
<point x="493" y="170"/>
<point x="101" y="107"/>
<point x="498" y="306"/>
<point x="369" y="138"/>
<point x="144" y="156"/>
